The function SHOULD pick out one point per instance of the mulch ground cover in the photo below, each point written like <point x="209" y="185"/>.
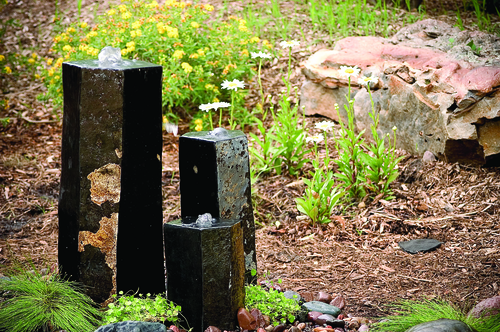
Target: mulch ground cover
<point x="356" y="255"/>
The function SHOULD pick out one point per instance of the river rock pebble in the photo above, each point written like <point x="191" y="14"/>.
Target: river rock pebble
<point x="294" y="329"/>
<point x="246" y="320"/>
<point x="338" y="302"/>
<point x="324" y="297"/>
<point x="133" y="326"/>
<point x="487" y="307"/>
<point x="313" y="315"/>
<point x="363" y="328"/>
<point x="301" y="326"/>
<point x="212" y="329"/>
<point x="322" y="307"/>
<point x="279" y="328"/>
<point x="442" y="325"/>
<point x="292" y="295"/>
<point x="259" y="318"/>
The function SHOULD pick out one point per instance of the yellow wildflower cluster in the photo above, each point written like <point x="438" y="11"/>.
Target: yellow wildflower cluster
<point x="88" y="49"/>
<point x="187" y="67"/>
<point x="228" y="68"/>
<point x="254" y="39"/>
<point x="153" y="4"/>
<point x="83" y="25"/>
<point x="195" y="25"/>
<point x="2" y="57"/>
<point x="178" y="54"/>
<point x="136" y="25"/>
<point x="130" y="48"/>
<point x="171" y="32"/>
<point x="244" y="52"/>
<point x="267" y="44"/>
<point x="199" y="124"/>
<point x="194" y="56"/>
<point x="135" y="33"/>
<point x="7" y="69"/>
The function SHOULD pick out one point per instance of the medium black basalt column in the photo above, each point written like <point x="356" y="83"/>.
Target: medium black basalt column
<point x="110" y="211"/>
<point x="215" y="178"/>
<point x="205" y="267"/>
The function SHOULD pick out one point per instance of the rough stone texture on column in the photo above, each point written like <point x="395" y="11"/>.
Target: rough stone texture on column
<point x="205" y="272"/>
<point x="432" y="86"/>
<point x="110" y="212"/>
<point x="215" y="178"/>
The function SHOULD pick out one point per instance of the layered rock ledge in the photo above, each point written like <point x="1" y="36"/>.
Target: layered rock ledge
<point x="438" y="85"/>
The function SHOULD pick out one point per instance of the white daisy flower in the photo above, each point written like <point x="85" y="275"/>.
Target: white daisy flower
<point x="349" y="71"/>
<point x="289" y="44"/>
<point x="220" y="104"/>
<point x="261" y="55"/>
<point x="206" y="107"/>
<point x="314" y="138"/>
<point x="324" y="125"/>
<point x="234" y="85"/>
<point x="367" y="80"/>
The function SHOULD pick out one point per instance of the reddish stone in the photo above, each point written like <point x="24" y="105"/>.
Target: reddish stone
<point x="246" y="320"/>
<point x="487" y="307"/>
<point x="307" y="296"/>
<point x="259" y="318"/>
<point x="267" y="319"/>
<point x="339" y="302"/>
<point x="212" y="329"/>
<point x="279" y="328"/>
<point x="261" y="330"/>
<point x="313" y="315"/>
<point x="174" y="328"/>
<point x="324" y="297"/>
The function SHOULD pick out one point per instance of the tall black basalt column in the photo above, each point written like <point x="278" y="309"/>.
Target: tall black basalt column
<point x="110" y="211"/>
<point x="215" y="178"/>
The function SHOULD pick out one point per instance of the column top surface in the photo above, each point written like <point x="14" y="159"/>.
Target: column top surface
<point x="218" y="134"/>
<point x="123" y="65"/>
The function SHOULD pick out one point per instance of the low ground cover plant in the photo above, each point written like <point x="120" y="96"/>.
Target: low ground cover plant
<point x="141" y="308"/>
<point x="271" y="303"/>
<point x="411" y="313"/>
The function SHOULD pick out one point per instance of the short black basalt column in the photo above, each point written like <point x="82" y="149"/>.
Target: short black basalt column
<point x="215" y="178"/>
<point x="110" y="203"/>
<point x="205" y="272"/>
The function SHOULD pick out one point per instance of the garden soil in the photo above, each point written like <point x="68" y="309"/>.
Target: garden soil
<point x="356" y="255"/>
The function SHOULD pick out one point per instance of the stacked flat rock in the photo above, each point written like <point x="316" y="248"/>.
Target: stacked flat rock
<point x="438" y="85"/>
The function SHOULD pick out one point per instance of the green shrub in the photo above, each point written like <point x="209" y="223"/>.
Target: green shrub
<point x="196" y="55"/>
<point x="128" y="307"/>
<point x="271" y="303"/>
<point x="34" y="302"/>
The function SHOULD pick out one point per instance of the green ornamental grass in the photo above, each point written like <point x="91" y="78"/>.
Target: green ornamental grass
<point x="32" y="302"/>
<point x="411" y="313"/>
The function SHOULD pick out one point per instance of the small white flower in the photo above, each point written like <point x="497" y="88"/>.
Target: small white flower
<point x="314" y="138"/>
<point x="367" y="80"/>
<point x="234" y="85"/>
<point x="289" y="44"/>
<point x="205" y="107"/>
<point x="220" y="104"/>
<point x="171" y="128"/>
<point x="261" y="55"/>
<point x="349" y="71"/>
<point x="394" y="128"/>
<point x="324" y="125"/>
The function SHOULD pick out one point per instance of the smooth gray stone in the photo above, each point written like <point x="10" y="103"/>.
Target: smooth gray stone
<point x="442" y="325"/>
<point x="419" y="245"/>
<point x="133" y="326"/>
<point x="292" y="295"/>
<point x="322" y="307"/>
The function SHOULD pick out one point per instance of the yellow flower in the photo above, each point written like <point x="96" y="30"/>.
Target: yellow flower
<point x="7" y="69"/>
<point x="83" y="25"/>
<point x="242" y="28"/>
<point x="57" y="39"/>
<point x="67" y="48"/>
<point x="31" y="60"/>
<point x="49" y="61"/>
<point x="153" y="4"/>
<point x="255" y="39"/>
<point x="198" y="121"/>
<point x="208" y="7"/>
<point x="198" y="127"/>
<point x="215" y="100"/>
<point x="201" y="52"/>
<point x="194" y="56"/>
<point x="187" y="68"/>
<point x="34" y="55"/>
<point x="122" y="8"/>
<point x="133" y="34"/>
<point x="91" y="34"/>
<point x="172" y="32"/>
<point x="126" y="15"/>
<point x="243" y="42"/>
<point x="267" y="44"/>
<point x="195" y="25"/>
<point x="2" y="58"/>
<point x="209" y="86"/>
<point x="124" y="51"/>
<point x="131" y="44"/>
<point x="136" y="25"/>
<point x="131" y="48"/>
<point x="111" y="12"/>
<point x="71" y="30"/>
<point x="37" y="76"/>
<point x="82" y="48"/>
<point x="138" y="32"/>
<point x="178" y="54"/>
<point x="244" y="52"/>
<point x="57" y="77"/>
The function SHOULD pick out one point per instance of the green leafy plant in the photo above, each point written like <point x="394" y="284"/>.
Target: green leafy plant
<point x="321" y="195"/>
<point x="271" y="303"/>
<point x="34" y="302"/>
<point x="197" y="54"/>
<point x="475" y="49"/>
<point x="129" y="307"/>
<point x="411" y="313"/>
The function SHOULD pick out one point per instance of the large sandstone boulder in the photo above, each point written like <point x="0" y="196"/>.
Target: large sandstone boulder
<point x="438" y="85"/>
